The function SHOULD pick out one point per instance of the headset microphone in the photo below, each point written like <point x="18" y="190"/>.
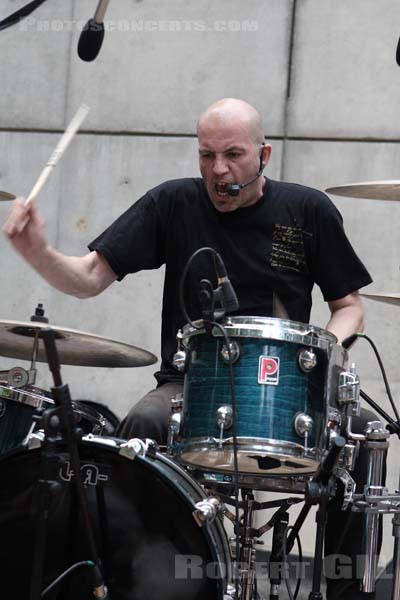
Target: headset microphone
<point x="233" y="189"/>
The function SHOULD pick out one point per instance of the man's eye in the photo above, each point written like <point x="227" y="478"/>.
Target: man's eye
<point x="234" y="154"/>
<point x="205" y="155"/>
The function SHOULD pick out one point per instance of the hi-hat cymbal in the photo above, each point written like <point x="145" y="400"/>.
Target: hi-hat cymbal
<point x="373" y="190"/>
<point x="74" y="347"/>
<point x="384" y="297"/>
<point x="6" y="196"/>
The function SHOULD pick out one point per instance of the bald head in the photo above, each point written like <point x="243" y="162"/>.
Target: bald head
<point x="230" y="112"/>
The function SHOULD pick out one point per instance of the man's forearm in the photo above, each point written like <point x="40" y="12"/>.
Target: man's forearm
<point x="82" y="277"/>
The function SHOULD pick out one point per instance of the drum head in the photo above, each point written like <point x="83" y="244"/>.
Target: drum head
<point x="150" y="546"/>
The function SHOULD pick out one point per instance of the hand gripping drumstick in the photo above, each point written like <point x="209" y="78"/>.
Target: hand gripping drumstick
<point x="62" y="145"/>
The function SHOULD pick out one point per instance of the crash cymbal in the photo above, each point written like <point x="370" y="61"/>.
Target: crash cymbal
<point x="74" y="347"/>
<point x="6" y="196"/>
<point x="384" y="297"/>
<point x="373" y="190"/>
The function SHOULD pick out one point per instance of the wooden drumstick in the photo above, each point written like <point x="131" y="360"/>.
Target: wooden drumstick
<point x="62" y="145"/>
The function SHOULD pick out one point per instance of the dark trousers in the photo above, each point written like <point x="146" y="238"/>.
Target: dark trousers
<point x="344" y="530"/>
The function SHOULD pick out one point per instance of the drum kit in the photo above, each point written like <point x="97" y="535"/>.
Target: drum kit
<point x="268" y="405"/>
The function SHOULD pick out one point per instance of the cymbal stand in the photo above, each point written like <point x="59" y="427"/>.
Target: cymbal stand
<point x="377" y="501"/>
<point x="60" y="419"/>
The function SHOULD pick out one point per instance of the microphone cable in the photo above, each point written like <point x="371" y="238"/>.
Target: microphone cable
<point x="83" y="563"/>
<point x="20" y="14"/>
<point x="382" y="368"/>
<point x="285" y="562"/>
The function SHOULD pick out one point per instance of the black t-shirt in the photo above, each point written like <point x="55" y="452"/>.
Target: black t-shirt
<point x="290" y="239"/>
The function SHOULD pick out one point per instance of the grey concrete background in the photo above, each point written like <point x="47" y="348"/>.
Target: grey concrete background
<point x="323" y="74"/>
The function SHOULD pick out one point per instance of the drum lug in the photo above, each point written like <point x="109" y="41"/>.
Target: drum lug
<point x="234" y="352"/>
<point x="307" y="359"/>
<point x="303" y="424"/>
<point x="34" y="440"/>
<point x="224" y="416"/>
<point x="137" y="447"/>
<point x="206" y="510"/>
<point x="174" y="423"/>
<point x="179" y="358"/>
<point x="224" y="420"/>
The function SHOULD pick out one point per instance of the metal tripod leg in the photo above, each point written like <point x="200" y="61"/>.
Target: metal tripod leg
<point x="247" y="552"/>
<point x="396" y="557"/>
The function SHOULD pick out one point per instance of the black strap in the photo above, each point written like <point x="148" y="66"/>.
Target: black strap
<point x="20" y="14"/>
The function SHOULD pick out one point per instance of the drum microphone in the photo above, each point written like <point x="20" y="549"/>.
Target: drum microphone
<point x="347" y="342"/>
<point x="100" y="591"/>
<point x="231" y="302"/>
<point x="92" y="36"/>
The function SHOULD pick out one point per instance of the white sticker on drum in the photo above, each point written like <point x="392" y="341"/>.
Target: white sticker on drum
<point x="268" y="370"/>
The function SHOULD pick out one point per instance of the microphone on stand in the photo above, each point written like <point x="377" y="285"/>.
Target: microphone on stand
<point x="100" y="590"/>
<point x="231" y="302"/>
<point x="92" y="36"/>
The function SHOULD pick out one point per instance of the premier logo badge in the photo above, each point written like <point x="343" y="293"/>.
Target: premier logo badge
<point x="268" y="370"/>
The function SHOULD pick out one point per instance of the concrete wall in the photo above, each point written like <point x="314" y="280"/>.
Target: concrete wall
<point x="322" y="73"/>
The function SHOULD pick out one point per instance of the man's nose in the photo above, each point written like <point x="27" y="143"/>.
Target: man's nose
<point x="220" y="165"/>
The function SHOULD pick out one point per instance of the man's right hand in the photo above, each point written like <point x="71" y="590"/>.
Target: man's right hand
<point x="26" y="230"/>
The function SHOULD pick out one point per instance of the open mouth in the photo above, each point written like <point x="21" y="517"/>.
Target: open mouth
<point x="221" y="189"/>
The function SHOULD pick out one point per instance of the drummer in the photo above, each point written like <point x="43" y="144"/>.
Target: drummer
<point x="274" y="238"/>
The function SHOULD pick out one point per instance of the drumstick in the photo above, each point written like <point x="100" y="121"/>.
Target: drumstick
<point x="62" y="145"/>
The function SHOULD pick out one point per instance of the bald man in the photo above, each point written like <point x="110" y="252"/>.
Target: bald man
<point x="272" y="236"/>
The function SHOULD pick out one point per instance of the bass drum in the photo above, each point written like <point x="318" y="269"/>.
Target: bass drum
<point x="149" y="543"/>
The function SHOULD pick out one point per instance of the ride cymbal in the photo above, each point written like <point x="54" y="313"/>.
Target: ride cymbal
<point x="74" y="347"/>
<point x="6" y="196"/>
<point x="371" y="190"/>
<point x="384" y="297"/>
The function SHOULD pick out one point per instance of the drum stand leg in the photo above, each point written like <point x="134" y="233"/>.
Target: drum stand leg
<point x="320" y="519"/>
<point x="247" y="550"/>
<point x="396" y="558"/>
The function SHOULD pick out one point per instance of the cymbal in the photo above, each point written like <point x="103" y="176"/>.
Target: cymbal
<point x="384" y="297"/>
<point x="373" y="190"/>
<point x="74" y="347"/>
<point x="6" y="196"/>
